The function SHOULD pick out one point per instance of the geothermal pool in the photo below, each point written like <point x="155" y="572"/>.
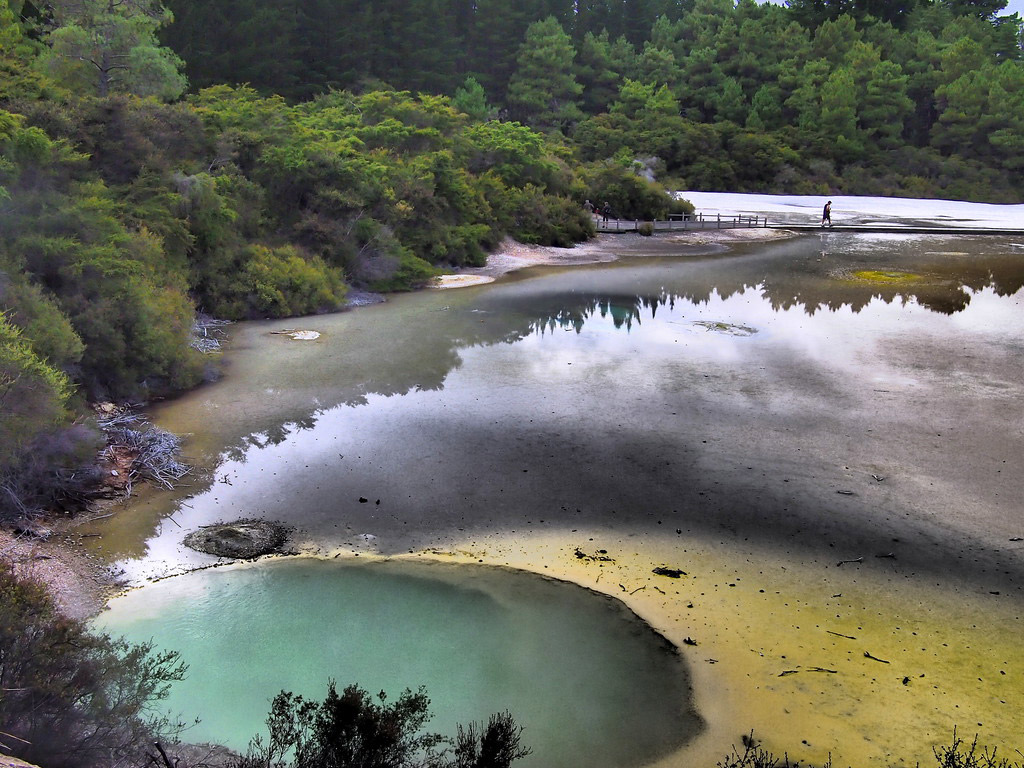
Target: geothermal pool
<point x="754" y="415"/>
<point x="576" y="670"/>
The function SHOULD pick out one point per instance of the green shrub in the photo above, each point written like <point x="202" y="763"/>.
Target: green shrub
<point x="278" y="282"/>
<point x="549" y="220"/>
<point x="33" y="394"/>
<point x="351" y="730"/>
<point x="629" y="195"/>
<point x="72" y="698"/>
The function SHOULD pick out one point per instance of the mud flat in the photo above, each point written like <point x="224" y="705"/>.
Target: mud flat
<point x="512" y="256"/>
<point x="865" y="665"/>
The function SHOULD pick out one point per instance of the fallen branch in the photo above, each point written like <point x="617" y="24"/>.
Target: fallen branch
<point x="207" y="333"/>
<point x="857" y="560"/>
<point x="118" y="420"/>
<point x="154" y="451"/>
<point x="786" y="672"/>
<point x="874" y="658"/>
<point x="837" y="634"/>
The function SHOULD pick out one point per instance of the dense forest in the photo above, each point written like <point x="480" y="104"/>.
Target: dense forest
<point x="914" y="98"/>
<point x="159" y="161"/>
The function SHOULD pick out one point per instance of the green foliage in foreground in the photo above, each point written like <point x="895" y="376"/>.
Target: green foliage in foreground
<point x="351" y="730"/>
<point x="72" y="698"/>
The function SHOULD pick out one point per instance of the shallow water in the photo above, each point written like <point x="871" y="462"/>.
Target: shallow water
<point x="638" y="393"/>
<point x="811" y="400"/>
<point x="574" y="669"/>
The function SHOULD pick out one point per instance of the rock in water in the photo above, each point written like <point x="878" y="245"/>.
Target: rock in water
<point x="242" y="539"/>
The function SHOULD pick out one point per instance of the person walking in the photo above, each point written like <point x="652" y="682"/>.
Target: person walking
<point x="826" y="215"/>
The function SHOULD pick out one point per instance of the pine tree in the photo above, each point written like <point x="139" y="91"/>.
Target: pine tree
<point x="108" y="46"/>
<point x="543" y="91"/>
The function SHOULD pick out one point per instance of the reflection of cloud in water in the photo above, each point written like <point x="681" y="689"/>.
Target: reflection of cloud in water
<point x="640" y="325"/>
<point x="393" y="354"/>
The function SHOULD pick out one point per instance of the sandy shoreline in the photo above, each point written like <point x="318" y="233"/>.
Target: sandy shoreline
<point x="78" y="581"/>
<point x="871" y="662"/>
<point x="512" y="256"/>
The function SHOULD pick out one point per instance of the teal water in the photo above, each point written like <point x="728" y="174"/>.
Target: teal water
<point x="576" y="670"/>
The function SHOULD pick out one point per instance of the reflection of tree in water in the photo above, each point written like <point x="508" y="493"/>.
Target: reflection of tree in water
<point x="940" y="285"/>
<point x="623" y="311"/>
<point x="941" y="282"/>
<point x="943" y="285"/>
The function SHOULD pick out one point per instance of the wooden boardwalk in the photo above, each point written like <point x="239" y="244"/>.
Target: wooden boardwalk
<point x="700" y="222"/>
<point x="680" y="223"/>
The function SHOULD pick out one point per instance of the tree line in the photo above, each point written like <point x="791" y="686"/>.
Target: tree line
<point x="919" y="98"/>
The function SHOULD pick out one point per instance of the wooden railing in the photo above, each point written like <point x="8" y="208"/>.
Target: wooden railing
<point x="683" y="221"/>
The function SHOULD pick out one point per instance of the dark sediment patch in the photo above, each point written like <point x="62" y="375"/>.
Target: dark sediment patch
<point x="242" y="539"/>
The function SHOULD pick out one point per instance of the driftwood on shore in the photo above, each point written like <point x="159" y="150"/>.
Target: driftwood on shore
<point x="142" y="451"/>
<point x="207" y="333"/>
